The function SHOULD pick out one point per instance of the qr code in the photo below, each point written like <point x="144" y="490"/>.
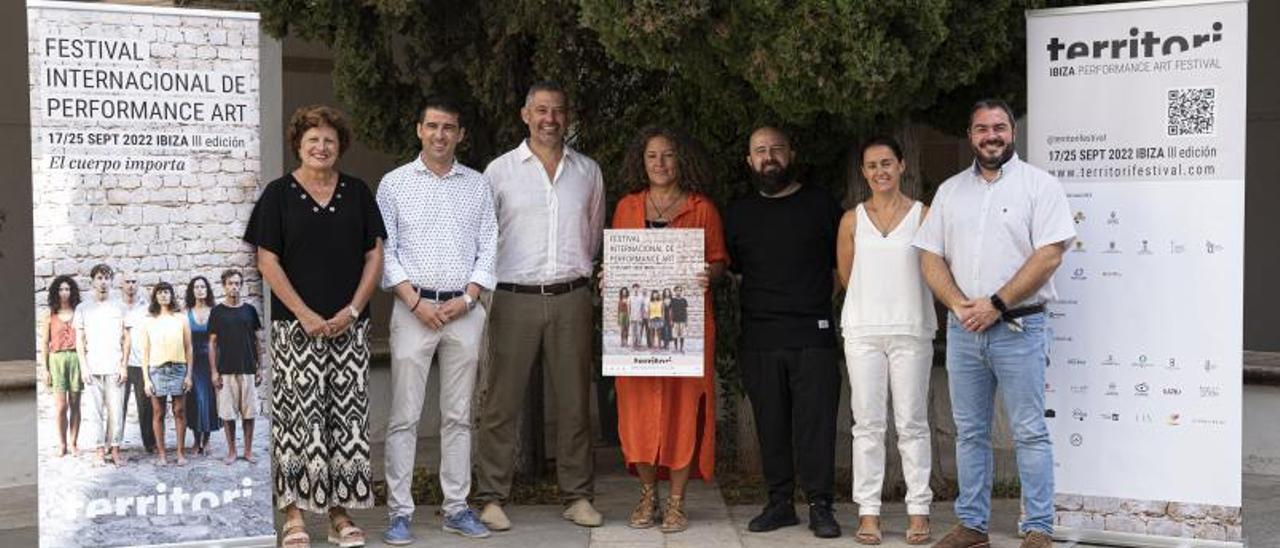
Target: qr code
<point x="1191" y="111"/>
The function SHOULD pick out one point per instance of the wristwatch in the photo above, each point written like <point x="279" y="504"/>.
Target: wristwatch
<point x="467" y="298"/>
<point x="997" y="302"/>
<point x="355" y="314"/>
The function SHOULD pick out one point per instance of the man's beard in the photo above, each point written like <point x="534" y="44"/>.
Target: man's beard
<point x="993" y="163"/>
<point x="773" y="182"/>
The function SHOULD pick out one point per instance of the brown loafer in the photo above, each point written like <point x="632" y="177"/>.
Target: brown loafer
<point x="963" y="537"/>
<point x="1037" y="539"/>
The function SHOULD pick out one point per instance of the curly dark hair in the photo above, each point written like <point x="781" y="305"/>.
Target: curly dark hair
<point x="154" y="308"/>
<point x="691" y="159"/>
<point x="56" y="285"/>
<point x="190" y="298"/>
<point x="317" y="116"/>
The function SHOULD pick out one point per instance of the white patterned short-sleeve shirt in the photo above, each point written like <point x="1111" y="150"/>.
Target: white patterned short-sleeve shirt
<point x="441" y="230"/>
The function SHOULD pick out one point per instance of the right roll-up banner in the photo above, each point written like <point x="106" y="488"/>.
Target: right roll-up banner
<point x="1139" y="109"/>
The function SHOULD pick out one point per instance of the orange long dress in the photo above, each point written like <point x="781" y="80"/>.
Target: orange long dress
<point x="670" y="422"/>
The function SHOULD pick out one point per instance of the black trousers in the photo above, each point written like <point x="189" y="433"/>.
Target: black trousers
<point x="795" y="396"/>
<point x="136" y="385"/>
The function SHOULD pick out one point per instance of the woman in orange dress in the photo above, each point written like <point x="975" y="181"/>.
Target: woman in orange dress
<point x="667" y="424"/>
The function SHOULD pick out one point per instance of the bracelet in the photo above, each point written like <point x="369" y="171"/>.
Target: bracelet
<point x="415" y="304"/>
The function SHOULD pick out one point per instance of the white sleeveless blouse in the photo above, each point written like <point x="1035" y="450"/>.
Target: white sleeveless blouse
<point x="887" y="294"/>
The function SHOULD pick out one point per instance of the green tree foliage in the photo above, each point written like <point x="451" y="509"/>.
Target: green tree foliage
<point x="831" y="71"/>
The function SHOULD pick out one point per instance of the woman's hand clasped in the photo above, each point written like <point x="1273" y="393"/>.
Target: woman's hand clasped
<point x="313" y="324"/>
<point x="339" y="323"/>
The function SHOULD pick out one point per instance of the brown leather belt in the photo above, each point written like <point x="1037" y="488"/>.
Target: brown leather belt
<point x="546" y="290"/>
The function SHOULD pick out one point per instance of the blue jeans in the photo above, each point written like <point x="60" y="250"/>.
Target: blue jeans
<point x="978" y="364"/>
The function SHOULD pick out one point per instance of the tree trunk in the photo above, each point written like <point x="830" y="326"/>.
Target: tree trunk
<point x="908" y="137"/>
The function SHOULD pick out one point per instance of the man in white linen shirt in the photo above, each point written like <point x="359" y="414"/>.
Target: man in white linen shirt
<point x="550" y="204"/>
<point x="103" y="345"/>
<point x="439" y="254"/>
<point x="991" y="242"/>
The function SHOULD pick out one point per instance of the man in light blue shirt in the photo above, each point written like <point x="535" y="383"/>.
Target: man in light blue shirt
<point x="991" y="242"/>
<point x="442" y="238"/>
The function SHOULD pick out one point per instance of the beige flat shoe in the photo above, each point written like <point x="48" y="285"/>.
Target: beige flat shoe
<point x="582" y="513"/>
<point x="494" y="518"/>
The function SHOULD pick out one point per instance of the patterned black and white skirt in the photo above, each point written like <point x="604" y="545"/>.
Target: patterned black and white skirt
<point x="320" y="417"/>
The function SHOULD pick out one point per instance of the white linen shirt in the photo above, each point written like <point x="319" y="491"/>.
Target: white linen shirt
<point x="441" y="231"/>
<point x="549" y="228"/>
<point x="987" y="231"/>
<point x="102" y="325"/>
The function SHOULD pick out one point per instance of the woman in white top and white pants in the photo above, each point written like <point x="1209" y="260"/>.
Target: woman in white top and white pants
<point x="888" y="322"/>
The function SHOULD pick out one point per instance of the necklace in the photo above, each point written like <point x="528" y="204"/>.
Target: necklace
<point x="882" y="224"/>
<point x="662" y="211"/>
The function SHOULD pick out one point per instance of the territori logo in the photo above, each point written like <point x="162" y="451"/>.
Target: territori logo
<point x="1138" y="44"/>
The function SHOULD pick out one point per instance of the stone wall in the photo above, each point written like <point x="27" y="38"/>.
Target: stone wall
<point x="1159" y="518"/>
<point x="163" y="225"/>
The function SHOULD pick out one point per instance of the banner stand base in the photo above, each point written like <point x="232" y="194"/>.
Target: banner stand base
<point x="1115" y="538"/>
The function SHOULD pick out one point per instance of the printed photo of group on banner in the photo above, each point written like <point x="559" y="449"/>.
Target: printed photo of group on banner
<point x="655" y="302"/>
<point x="145" y="168"/>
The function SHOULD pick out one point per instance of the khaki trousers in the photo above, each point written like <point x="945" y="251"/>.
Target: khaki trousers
<point x="522" y="328"/>
<point x="413" y="345"/>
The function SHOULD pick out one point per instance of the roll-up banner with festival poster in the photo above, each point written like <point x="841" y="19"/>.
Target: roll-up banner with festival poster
<point x="653" y="307"/>
<point x="1139" y="109"/>
<point x="145" y="158"/>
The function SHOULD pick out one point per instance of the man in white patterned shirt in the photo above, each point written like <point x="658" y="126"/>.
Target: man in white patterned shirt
<point x="441" y="241"/>
<point x="550" y="204"/>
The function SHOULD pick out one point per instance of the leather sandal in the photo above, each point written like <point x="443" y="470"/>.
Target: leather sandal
<point x="868" y="530"/>
<point x="674" y="520"/>
<point x="294" y="535"/>
<point x="918" y="535"/>
<point x="646" y="512"/>
<point x="343" y="532"/>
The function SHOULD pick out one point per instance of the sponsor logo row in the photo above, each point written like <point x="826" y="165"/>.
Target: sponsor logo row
<point x="1143" y="417"/>
<point x="1142" y="361"/>
<point x="1141" y="389"/>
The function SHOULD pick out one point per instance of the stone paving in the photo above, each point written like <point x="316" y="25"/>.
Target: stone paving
<point x="134" y="504"/>
<point x="712" y="524"/>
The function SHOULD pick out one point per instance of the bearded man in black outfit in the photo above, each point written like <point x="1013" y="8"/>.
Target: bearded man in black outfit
<point x="782" y="239"/>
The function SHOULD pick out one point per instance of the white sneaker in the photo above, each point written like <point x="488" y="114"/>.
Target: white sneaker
<point x="494" y="518"/>
<point x="582" y="513"/>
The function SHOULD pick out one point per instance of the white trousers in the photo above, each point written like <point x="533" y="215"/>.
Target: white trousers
<point x="413" y="345"/>
<point x="103" y="402"/>
<point x="877" y="366"/>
